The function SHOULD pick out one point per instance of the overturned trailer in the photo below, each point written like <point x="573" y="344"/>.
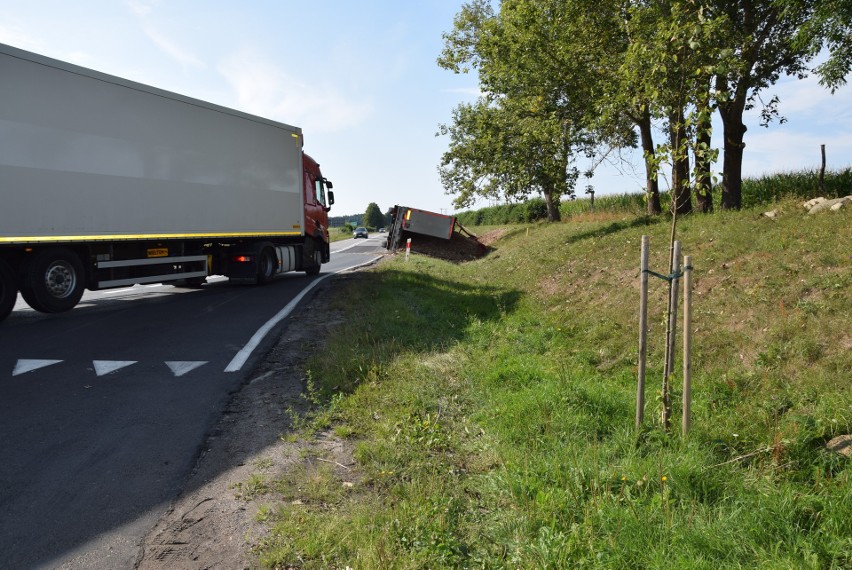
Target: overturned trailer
<point x="437" y="235"/>
<point x="407" y="220"/>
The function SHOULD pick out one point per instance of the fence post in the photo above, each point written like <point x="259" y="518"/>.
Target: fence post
<point x="687" y="344"/>
<point x="643" y="332"/>
<point x="407" y="249"/>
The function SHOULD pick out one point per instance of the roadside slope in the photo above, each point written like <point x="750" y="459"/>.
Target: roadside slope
<point x="481" y="414"/>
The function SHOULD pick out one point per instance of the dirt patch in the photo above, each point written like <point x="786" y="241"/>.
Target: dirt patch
<point x="457" y="249"/>
<point x="213" y="523"/>
<point x="489" y="238"/>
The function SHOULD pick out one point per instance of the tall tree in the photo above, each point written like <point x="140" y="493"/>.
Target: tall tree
<point x="373" y="217"/>
<point x="759" y="48"/>
<point x="507" y="149"/>
<point x="534" y="92"/>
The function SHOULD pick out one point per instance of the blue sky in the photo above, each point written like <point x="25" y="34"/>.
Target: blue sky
<point x="360" y="78"/>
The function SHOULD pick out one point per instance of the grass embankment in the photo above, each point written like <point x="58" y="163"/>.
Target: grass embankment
<point x="491" y="406"/>
<point x="339" y="234"/>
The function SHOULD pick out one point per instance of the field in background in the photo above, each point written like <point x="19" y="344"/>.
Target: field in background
<point x="756" y="192"/>
<point x="489" y="405"/>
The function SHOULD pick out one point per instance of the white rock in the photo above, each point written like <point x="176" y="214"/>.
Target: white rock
<point x="826" y="205"/>
<point x="811" y="203"/>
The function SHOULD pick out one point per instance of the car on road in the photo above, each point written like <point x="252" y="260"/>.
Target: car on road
<point x="381" y="230"/>
<point x="360" y="232"/>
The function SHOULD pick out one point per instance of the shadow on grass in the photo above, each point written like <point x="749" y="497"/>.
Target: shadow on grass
<point x="616" y="227"/>
<point x="391" y="312"/>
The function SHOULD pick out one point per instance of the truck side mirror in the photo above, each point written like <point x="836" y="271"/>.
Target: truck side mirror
<point x="328" y="183"/>
<point x="330" y="197"/>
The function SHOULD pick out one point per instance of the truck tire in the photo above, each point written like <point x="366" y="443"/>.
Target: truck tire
<point x="313" y="253"/>
<point x="53" y="280"/>
<point x="8" y="289"/>
<point x="266" y="263"/>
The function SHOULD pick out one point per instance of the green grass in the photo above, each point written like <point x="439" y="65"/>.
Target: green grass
<point x="339" y="234"/>
<point x="490" y="406"/>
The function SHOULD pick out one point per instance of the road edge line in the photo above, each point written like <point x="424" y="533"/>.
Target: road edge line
<point x="245" y="352"/>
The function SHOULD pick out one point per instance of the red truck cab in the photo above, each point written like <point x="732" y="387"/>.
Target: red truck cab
<point x="318" y="201"/>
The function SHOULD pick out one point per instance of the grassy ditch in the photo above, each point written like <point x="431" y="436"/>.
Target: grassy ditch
<point x="489" y="406"/>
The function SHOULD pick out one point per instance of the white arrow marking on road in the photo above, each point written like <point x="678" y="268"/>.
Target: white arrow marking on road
<point x="181" y="368"/>
<point x="106" y="366"/>
<point x="23" y="366"/>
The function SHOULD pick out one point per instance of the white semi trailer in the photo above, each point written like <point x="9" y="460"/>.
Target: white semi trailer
<point x="106" y="182"/>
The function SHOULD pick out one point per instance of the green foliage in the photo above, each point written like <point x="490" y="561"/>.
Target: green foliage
<point x="533" y="210"/>
<point x="830" y="28"/>
<point x="563" y="78"/>
<point x="490" y="406"/>
<point x="373" y="217"/>
<point x="524" y="134"/>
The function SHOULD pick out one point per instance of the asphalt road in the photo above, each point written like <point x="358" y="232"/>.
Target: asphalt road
<point x="104" y="409"/>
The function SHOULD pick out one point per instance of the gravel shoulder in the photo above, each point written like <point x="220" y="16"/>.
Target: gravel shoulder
<point x="212" y="524"/>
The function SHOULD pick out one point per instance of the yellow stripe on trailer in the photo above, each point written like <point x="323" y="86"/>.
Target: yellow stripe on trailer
<point x="83" y="238"/>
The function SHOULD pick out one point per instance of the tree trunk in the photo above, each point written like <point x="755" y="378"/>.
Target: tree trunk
<point x="652" y="187"/>
<point x="732" y="164"/>
<point x="552" y="208"/>
<point x="681" y="194"/>
<point x="703" y="178"/>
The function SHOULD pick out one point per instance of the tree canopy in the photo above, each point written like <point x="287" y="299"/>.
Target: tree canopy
<point x="564" y="78"/>
<point x="373" y="217"/>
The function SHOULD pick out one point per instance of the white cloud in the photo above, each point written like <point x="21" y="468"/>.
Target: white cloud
<point x="142" y="10"/>
<point x="172" y="49"/>
<point x="265" y="89"/>
<point x="13" y="36"/>
<point x="791" y="151"/>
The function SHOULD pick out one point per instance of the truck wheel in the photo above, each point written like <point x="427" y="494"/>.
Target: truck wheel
<point x="8" y="290"/>
<point x="314" y="253"/>
<point x="53" y="280"/>
<point x="266" y="266"/>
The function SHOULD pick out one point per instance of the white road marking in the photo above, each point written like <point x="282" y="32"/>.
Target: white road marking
<point x="133" y="289"/>
<point x="23" y="365"/>
<point x="106" y="366"/>
<point x="179" y="368"/>
<point x="241" y="357"/>
<point x="182" y="367"/>
<point x="356" y="244"/>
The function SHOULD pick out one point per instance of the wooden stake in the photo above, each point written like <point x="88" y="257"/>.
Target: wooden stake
<point x="822" y="171"/>
<point x="687" y="344"/>
<point x="643" y="332"/>
<point x="670" y="338"/>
